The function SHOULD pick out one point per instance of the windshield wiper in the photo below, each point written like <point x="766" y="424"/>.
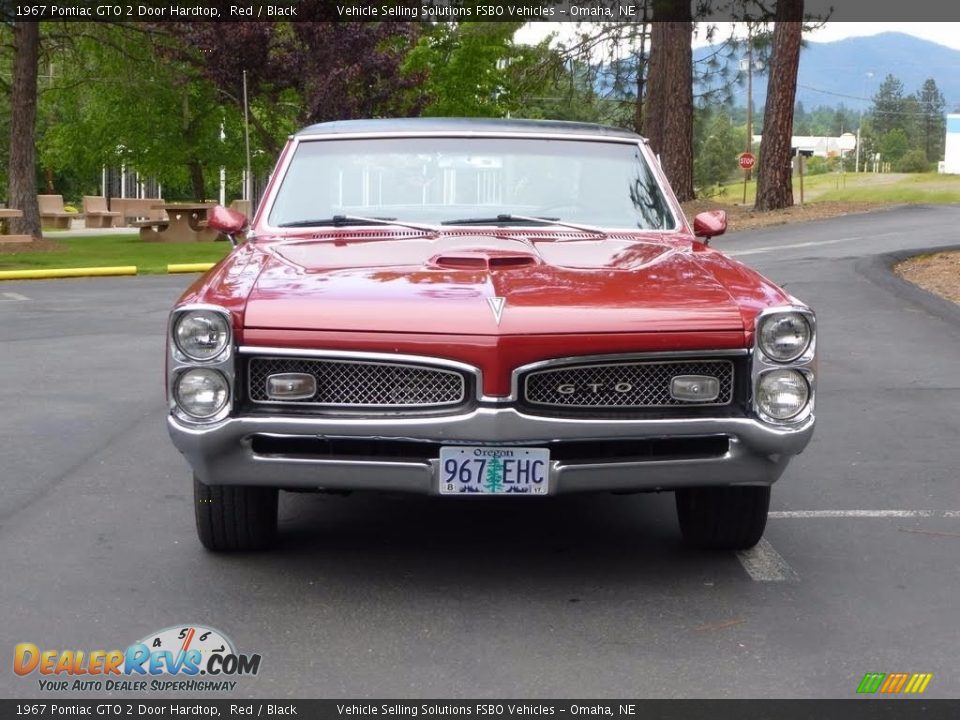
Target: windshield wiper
<point x="348" y="220"/>
<point x="526" y="219"/>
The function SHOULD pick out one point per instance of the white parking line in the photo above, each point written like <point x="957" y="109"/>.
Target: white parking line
<point x="764" y="564"/>
<point x="12" y="297"/>
<point x="864" y="514"/>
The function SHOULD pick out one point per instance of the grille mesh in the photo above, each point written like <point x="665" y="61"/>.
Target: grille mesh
<point x="356" y="384"/>
<point x="628" y="384"/>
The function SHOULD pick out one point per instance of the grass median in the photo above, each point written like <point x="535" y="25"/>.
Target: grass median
<point x="880" y="188"/>
<point x="108" y="250"/>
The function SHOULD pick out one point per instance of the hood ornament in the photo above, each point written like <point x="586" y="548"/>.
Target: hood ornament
<point x="496" y="304"/>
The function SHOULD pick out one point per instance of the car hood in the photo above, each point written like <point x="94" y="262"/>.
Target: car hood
<point x="486" y="285"/>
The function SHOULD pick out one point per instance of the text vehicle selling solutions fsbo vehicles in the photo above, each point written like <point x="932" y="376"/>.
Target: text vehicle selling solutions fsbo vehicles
<point x="469" y="308"/>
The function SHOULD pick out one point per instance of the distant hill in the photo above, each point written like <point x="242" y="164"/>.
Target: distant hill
<point x="836" y="72"/>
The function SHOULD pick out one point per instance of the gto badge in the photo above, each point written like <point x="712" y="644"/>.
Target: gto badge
<point x="596" y="388"/>
<point x="496" y="304"/>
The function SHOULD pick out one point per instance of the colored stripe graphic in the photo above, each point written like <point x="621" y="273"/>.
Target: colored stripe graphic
<point x="918" y="683"/>
<point x="871" y="682"/>
<point x="893" y="683"/>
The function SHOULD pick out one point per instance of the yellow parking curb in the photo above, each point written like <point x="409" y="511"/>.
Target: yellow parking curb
<point x="189" y="267"/>
<point x="67" y="272"/>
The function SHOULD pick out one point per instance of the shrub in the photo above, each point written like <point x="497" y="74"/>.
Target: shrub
<point x="914" y="161"/>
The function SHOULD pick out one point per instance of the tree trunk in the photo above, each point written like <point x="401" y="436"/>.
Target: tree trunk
<point x="196" y="181"/>
<point x="668" y="111"/>
<point x="774" y="176"/>
<point x="22" y="178"/>
<point x="643" y="63"/>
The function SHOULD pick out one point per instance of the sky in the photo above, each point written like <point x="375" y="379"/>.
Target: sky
<point x="944" y="33"/>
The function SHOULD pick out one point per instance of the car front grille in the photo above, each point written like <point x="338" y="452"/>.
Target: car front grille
<point x="361" y="384"/>
<point x="621" y="385"/>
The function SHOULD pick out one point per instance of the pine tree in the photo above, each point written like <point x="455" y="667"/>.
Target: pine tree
<point x="888" y="106"/>
<point x="933" y="123"/>
<point x="494" y="478"/>
<point x="774" y="181"/>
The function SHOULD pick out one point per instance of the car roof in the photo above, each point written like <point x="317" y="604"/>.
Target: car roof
<point x="466" y="125"/>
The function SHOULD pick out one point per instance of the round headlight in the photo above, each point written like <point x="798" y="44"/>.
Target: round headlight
<point x="785" y="336"/>
<point x="782" y="394"/>
<point x="201" y="392"/>
<point x="201" y="334"/>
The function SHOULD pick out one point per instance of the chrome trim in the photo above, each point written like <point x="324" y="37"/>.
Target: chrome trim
<point x="222" y="453"/>
<point x="177" y="363"/>
<point x="462" y="400"/>
<point x="806" y="364"/>
<point x="619" y="357"/>
<point x="395" y="358"/>
<point x="280" y="172"/>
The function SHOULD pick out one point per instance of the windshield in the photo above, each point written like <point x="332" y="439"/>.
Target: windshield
<point x="473" y="180"/>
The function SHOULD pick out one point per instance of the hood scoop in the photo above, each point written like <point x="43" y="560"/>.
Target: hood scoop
<point x="484" y="259"/>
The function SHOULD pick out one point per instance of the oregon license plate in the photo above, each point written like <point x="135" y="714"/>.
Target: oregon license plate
<point x="494" y="470"/>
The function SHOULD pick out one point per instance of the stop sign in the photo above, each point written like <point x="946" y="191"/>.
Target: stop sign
<point x="746" y="161"/>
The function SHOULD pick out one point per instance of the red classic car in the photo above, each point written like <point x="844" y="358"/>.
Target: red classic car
<point x="483" y="307"/>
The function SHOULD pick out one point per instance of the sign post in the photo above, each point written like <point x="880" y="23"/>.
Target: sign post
<point x="746" y="161"/>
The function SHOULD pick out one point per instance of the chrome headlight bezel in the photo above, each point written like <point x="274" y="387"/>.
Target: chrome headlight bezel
<point x="805" y="363"/>
<point x="179" y="363"/>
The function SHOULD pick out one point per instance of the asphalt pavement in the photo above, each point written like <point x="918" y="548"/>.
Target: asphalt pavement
<point x="409" y="597"/>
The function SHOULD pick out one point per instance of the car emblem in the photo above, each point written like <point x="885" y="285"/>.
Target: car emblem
<point x="496" y="304"/>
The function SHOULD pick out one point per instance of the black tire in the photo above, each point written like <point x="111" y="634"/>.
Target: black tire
<point x="723" y="518"/>
<point x="235" y="517"/>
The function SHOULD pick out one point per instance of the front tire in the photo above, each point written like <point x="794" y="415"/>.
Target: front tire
<point x="723" y="518"/>
<point x="235" y="517"/>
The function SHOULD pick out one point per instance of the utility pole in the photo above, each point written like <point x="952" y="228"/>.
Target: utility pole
<point x="749" y="143"/>
<point x="863" y="97"/>
<point x="749" y="93"/>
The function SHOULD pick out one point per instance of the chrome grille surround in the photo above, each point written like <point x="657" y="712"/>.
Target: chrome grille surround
<point x="621" y="384"/>
<point x="354" y="383"/>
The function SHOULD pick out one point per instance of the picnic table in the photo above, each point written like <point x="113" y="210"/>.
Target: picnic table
<point x="186" y="222"/>
<point x="5" y="237"/>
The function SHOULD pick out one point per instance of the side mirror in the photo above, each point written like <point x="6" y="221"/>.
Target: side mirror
<point x="230" y="222"/>
<point x="710" y="224"/>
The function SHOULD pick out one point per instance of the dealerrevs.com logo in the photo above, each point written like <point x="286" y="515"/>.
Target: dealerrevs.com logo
<point x="894" y="683"/>
<point x="178" y="658"/>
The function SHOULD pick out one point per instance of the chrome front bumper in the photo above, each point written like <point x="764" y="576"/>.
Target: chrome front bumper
<point x="223" y="453"/>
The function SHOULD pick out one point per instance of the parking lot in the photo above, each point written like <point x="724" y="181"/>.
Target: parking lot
<point x="408" y="597"/>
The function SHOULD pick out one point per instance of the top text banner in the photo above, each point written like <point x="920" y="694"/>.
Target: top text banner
<point x="624" y="11"/>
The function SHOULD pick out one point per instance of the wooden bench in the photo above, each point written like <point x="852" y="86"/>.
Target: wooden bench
<point x="96" y="214"/>
<point x="52" y="213"/>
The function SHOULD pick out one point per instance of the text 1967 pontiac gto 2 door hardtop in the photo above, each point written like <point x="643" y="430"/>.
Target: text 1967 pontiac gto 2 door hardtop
<point x="474" y="308"/>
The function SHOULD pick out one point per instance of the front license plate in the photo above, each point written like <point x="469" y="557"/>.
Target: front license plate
<point x="494" y="471"/>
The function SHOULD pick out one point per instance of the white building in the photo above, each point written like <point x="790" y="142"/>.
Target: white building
<point x="951" y="153"/>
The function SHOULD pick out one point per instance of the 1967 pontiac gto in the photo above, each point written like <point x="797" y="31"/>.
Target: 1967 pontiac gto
<point x="469" y="308"/>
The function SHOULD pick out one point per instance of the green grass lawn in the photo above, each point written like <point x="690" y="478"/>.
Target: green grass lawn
<point x="891" y="188"/>
<point x="110" y="250"/>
